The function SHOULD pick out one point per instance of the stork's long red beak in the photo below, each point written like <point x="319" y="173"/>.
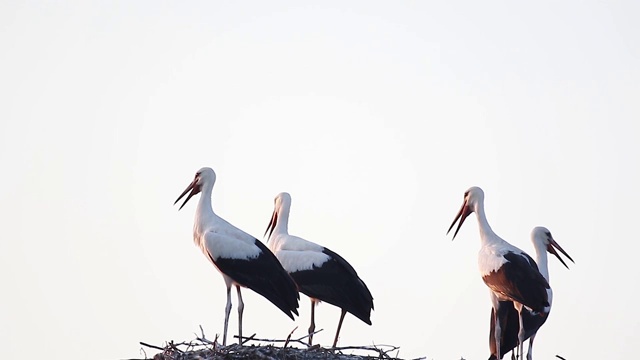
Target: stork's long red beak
<point x="465" y="210"/>
<point x="195" y="189"/>
<point x="553" y="245"/>
<point x="272" y="224"/>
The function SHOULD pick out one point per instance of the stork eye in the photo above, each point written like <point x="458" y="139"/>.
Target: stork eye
<point x="466" y="194"/>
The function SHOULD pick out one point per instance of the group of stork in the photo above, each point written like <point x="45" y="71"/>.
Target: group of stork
<point x="519" y="286"/>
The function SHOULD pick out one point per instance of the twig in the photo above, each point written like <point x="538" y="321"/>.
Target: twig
<point x="365" y="348"/>
<point x="298" y="340"/>
<point x="306" y="336"/>
<point x="205" y="340"/>
<point x="151" y="346"/>
<point x="245" y="338"/>
<point x="289" y="337"/>
<point x="172" y="346"/>
<point x="382" y="353"/>
<point x="560" y="357"/>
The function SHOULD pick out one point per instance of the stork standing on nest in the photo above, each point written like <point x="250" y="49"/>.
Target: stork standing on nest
<point x="543" y="242"/>
<point x="320" y="273"/>
<point x="509" y="272"/>
<point x="242" y="259"/>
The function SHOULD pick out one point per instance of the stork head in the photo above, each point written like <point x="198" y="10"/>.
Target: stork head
<point x="281" y="201"/>
<point x="472" y="198"/>
<point x="205" y="178"/>
<point x="542" y="235"/>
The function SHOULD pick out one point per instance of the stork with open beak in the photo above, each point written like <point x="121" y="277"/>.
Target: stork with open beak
<point x="510" y="273"/>
<point x="242" y="259"/>
<point x="543" y="243"/>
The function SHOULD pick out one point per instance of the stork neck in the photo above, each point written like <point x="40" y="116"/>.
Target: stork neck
<point x="204" y="204"/>
<point x="486" y="233"/>
<point x="282" y="225"/>
<point x="541" y="260"/>
<point x="204" y="213"/>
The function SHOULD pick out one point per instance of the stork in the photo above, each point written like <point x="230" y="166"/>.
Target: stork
<point x="509" y="272"/>
<point x="543" y="242"/>
<point x="242" y="259"/>
<point x="320" y="273"/>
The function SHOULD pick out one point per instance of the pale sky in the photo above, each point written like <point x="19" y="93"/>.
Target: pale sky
<point x="374" y="116"/>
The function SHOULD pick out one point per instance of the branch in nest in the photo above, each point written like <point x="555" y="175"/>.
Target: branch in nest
<point x="204" y="339"/>
<point x="376" y="348"/>
<point x="151" y="346"/>
<point x="289" y="337"/>
<point x="286" y="341"/>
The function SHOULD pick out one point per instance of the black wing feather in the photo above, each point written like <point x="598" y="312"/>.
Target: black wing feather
<point x="264" y="275"/>
<point x="336" y="282"/>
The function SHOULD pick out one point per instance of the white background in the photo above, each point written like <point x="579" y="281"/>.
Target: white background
<point x="375" y="116"/>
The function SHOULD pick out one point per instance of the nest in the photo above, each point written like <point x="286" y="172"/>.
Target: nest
<point x="203" y="349"/>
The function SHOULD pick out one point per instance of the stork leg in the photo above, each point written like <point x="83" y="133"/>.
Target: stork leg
<point x="497" y="332"/>
<point x="521" y="339"/>
<point x="335" y="341"/>
<point x="312" y="327"/>
<point x="240" y="310"/>
<point x="227" y="310"/>
<point x="530" y="352"/>
<point x="521" y="331"/>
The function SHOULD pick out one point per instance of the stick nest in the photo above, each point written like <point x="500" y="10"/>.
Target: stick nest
<point x="203" y="349"/>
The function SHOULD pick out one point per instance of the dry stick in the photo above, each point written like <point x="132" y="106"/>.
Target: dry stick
<point x="299" y="340"/>
<point x="205" y="340"/>
<point x="190" y="346"/>
<point x="306" y="336"/>
<point x="172" y="346"/>
<point x="365" y="348"/>
<point x="384" y="353"/>
<point x="284" y="348"/>
<point x="151" y="346"/>
<point x="252" y="337"/>
<point x="380" y="351"/>
<point x="289" y="337"/>
<point x="393" y="347"/>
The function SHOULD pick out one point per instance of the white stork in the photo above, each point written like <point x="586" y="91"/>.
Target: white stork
<point x="543" y="242"/>
<point x="509" y="272"/>
<point x="320" y="273"/>
<point x="242" y="259"/>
